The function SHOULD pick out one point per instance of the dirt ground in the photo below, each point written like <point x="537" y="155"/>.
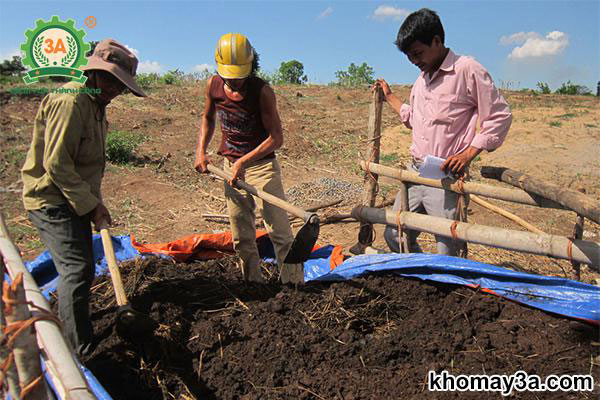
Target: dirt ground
<point x="370" y="338"/>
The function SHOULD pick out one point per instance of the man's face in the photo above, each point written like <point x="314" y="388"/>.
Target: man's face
<point x="426" y="58"/>
<point x="110" y="86"/>
<point x="235" y="84"/>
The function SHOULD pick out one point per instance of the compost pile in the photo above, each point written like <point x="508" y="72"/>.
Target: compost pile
<point x="374" y="337"/>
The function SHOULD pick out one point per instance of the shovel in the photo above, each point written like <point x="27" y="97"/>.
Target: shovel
<point x="130" y="323"/>
<point x="307" y="235"/>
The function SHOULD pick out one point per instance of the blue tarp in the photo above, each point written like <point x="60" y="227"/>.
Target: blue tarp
<point x="556" y="295"/>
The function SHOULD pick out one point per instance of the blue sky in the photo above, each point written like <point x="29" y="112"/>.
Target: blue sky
<point x="519" y="42"/>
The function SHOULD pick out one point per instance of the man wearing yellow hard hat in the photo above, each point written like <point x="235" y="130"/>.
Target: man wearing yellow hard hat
<point x="251" y="132"/>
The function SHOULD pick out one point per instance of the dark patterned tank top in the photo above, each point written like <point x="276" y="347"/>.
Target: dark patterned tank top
<point x="241" y="122"/>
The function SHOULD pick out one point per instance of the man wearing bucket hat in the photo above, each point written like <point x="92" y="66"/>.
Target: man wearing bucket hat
<point x="251" y="132"/>
<point x="62" y="176"/>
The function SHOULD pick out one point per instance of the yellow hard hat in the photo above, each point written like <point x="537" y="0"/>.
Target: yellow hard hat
<point x="234" y="56"/>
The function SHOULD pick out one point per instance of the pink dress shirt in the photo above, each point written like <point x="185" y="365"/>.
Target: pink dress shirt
<point x="444" y="110"/>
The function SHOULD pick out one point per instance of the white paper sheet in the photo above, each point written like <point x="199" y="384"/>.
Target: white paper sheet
<point x="431" y="168"/>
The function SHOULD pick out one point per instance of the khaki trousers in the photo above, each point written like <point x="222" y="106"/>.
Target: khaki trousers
<point x="264" y="175"/>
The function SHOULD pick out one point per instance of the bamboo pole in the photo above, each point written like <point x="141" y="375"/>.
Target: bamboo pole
<point x="546" y="245"/>
<point x="25" y="351"/>
<point x="9" y="380"/>
<point x="365" y="233"/>
<point x="509" y="215"/>
<point x="494" y="192"/>
<point x="568" y="198"/>
<point x="62" y="362"/>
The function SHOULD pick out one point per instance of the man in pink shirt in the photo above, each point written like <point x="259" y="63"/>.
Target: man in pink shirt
<point x="450" y="97"/>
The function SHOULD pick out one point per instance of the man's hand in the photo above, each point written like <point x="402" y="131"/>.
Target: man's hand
<point x="101" y="216"/>
<point x="238" y="171"/>
<point x="384" y="87"/>
<point x="201" y="162"/>
<point x="457" y="164"/>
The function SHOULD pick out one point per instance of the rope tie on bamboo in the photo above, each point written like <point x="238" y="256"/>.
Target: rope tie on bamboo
<point x="13" y="330"/>
<point x="5" y="366"/>
<point x="453" y="230"/>
<point x="16" y="328"/>
<point x="570" y="249"/>
<point x="26" y="389"/>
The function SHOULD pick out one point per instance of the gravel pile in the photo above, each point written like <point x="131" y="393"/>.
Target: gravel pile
<point x="323" y="190"/>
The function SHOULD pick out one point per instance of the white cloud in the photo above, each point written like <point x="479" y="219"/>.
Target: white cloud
<point x="202" y="68"/>
<point x="327" y="12"/>
<point x="534" y="45"/>
<point x="388" y="12"/>
<point x="9" y="54"/>
<point x="146" y="67"/>
<point x="519" y="37"/>
<point x="134" y="51"/>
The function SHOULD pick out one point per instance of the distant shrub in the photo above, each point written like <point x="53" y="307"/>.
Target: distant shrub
<point x="121" y="145"/>
<point x="572" y="89"/>
<point x="272" y="78"/>
<point x="355" y="75"/>
<point x="543" y="88"/>
<point x="173" y="77"/>
<point x="146" y="81"/>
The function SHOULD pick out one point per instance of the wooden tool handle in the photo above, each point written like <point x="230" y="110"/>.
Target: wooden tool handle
<point x="115" y="274"/>
<point x="292" y="209"/>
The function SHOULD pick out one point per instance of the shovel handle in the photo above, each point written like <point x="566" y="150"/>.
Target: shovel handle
<point x="269" y="198"/>
<point x="115" y="274"/>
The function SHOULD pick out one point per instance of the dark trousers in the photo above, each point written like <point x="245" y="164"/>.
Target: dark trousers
<point x="68" y="237"/>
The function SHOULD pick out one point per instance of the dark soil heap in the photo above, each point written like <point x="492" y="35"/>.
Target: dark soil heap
<point x="370" y="338"/>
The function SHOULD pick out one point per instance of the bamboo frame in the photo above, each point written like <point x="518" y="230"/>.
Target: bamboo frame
<point x="61" y="360"/>
<point x="495" y="192"/>
<point x="546" y="245"/>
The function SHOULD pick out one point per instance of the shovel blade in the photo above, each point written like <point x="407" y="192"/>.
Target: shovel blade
<point x="303" y="243"/>
<point x="133" y="325"/>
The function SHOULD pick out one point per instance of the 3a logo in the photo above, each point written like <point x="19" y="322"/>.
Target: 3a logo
<point x="54" y="48"/>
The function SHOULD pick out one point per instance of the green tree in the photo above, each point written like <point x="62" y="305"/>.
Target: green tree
<point x="292" y="72"/>
<point x="12" y="67"/>
<point x="355" y="75"/>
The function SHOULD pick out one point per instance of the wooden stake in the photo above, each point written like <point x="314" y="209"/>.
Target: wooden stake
<point x="365" y="233"/>
<point x="546" y="245"/>
<point x="506" y="214"/>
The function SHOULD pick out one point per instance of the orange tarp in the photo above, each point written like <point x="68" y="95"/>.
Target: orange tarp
<point x="205" y="246"/>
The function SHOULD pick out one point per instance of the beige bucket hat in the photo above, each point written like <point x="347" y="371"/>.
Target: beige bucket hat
<point x="111" y="56"/>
